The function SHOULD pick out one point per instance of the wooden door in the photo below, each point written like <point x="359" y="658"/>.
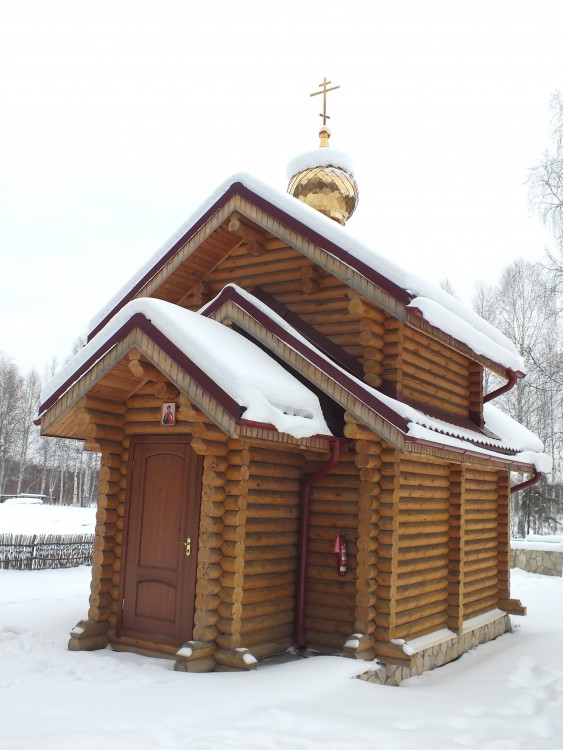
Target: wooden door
<point x="158" y="579"/>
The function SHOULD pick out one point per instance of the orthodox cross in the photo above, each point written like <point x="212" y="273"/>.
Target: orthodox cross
<point x="324" y="91"/>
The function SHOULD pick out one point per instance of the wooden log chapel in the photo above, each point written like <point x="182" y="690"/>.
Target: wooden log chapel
<point x="296" y="448"/>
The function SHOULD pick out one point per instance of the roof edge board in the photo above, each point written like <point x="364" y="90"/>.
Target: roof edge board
<point x="242" y="191"/>
<point x="309" y="354"/>
<point x="138" y="320"/>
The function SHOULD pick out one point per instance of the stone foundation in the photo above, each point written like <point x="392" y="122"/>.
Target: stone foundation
<point x="446" y="649"/>
<point x="545" y="561"/>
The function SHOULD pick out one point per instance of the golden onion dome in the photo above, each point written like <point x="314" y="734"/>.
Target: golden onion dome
<point x="323" y="179"/>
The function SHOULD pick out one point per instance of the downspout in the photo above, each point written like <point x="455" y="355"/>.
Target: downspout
<point x="528" y="483"/>
<point x="508" y="386"/>
<point x="308" y="485"/>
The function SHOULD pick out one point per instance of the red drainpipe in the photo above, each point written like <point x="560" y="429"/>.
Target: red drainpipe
<point x="528" y="483"/>
<point x="508" y="386"/>
<point x="304" y="537"/>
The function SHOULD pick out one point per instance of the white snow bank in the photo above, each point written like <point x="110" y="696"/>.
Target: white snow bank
<point x="254" y="380"/>
<point x="46" y="519"/>
<point x="343" y="238"/>
<point x="505" y="694"/>
<point x="23" y="501"/>
<point x="549" y="538"/>
<point x="537" y="542"/>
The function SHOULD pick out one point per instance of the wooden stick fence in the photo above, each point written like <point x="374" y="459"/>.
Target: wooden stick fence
<point x="41" y="551"/>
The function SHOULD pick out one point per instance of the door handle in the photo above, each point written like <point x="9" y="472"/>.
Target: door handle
<point x="188" y="546"/>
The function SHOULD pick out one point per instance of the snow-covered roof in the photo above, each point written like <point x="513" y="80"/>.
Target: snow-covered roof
<point x="320" y="157"/>
<point x="267" y="392"/>
<point x="502" y="437"/>
<point x="437" y="306"/>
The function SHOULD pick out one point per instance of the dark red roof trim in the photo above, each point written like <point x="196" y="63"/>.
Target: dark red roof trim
<point x="456" y="449"/>
<point x="229" y="293"/>
<point x="336" y="374"/>
<point x="319" y="340"/>
<point x="182" y="360"/>
<point x="237" y="188"/>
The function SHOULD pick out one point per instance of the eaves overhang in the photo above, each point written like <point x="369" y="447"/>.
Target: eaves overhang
<point x="480" y="446"/>
<point x="140" y="321"/>
<point x="239" y="189"/>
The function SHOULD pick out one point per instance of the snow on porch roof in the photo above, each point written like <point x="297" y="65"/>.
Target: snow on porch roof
<point x="502" y="438"/>
<point x="438" y="307"/>
<point x="243" y="377"/>
<point x="239" y="369"/>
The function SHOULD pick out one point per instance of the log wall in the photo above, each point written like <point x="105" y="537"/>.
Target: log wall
<point x="406" y="360"/>
<point x="270" y="549"/>
<point x="435" y="374"/>
<point x="317" y="297"/>
<point x="481" y="574"/>
<point x="368" y="460"/>
<point x="423" y="541"/>
<point x="330" y="598"/>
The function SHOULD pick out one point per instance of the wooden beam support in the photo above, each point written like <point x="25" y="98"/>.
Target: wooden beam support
<point x="146" y="371"/>
<point x="254" y="238"/>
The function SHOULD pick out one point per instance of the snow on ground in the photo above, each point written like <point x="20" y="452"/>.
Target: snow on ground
<point x="18" y="517"/>
<point x="505" y="695"/>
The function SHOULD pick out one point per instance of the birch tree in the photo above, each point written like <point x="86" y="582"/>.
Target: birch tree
<point x="545" y="182"/>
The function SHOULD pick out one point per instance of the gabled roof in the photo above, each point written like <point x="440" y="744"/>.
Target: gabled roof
<point x="230" y="368"/>
<point x="251" y="387"/>
<point x="398" y="422"/>
<point x="332" y="246"/>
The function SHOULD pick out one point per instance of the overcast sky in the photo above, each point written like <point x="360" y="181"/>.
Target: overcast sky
<point x="119" y="117"/>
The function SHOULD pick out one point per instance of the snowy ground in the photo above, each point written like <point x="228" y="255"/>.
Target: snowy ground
<point x="506" y="695"/>
<point x="19" y="517"/>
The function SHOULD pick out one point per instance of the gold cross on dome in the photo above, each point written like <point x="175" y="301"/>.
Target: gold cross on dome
<point x="324" y="91"/>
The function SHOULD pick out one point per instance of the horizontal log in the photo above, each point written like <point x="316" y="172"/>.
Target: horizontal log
<point x="95" y="416"/>
<point x="261" y="582"/>
<point x="437" y="613"/>
<point x="276" y="484"/>
<point x="419" y="602"/>
<point x="340" y="521"/>
<point x="102" y="404"/>
<point x="145" y="371"/>
<point x="208" y="587"/>
<point x="212" y="494"/>
<point x="338" y="632"/>
<point x="205" y="633"/>
<point x="417" y="371"/>
<point x="272" y="648"/>
<point x="357" y="306"/>
<point x="201" y="665"/>
<point x="154" y="427"/>
<point x="149" y="415"/>
<point x="334" y="617"/>
<point x="480" y="607"/>
<point x="267" y="640"/>
<point x="104" y="432"/>
<point x="446" y="402"/>
<point x="267" y="608"/>
<point x="259" y="497"/>
<point x="429" y="562"/>
<point x="342" y="600"/>
<point x="370" y="338"/>
<point x="276" y="469"/>
<point x="420" y="341"/>
<point x="283" y="538"/>
<point x="99" y="614"/>
<point x="256" y="625"/>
